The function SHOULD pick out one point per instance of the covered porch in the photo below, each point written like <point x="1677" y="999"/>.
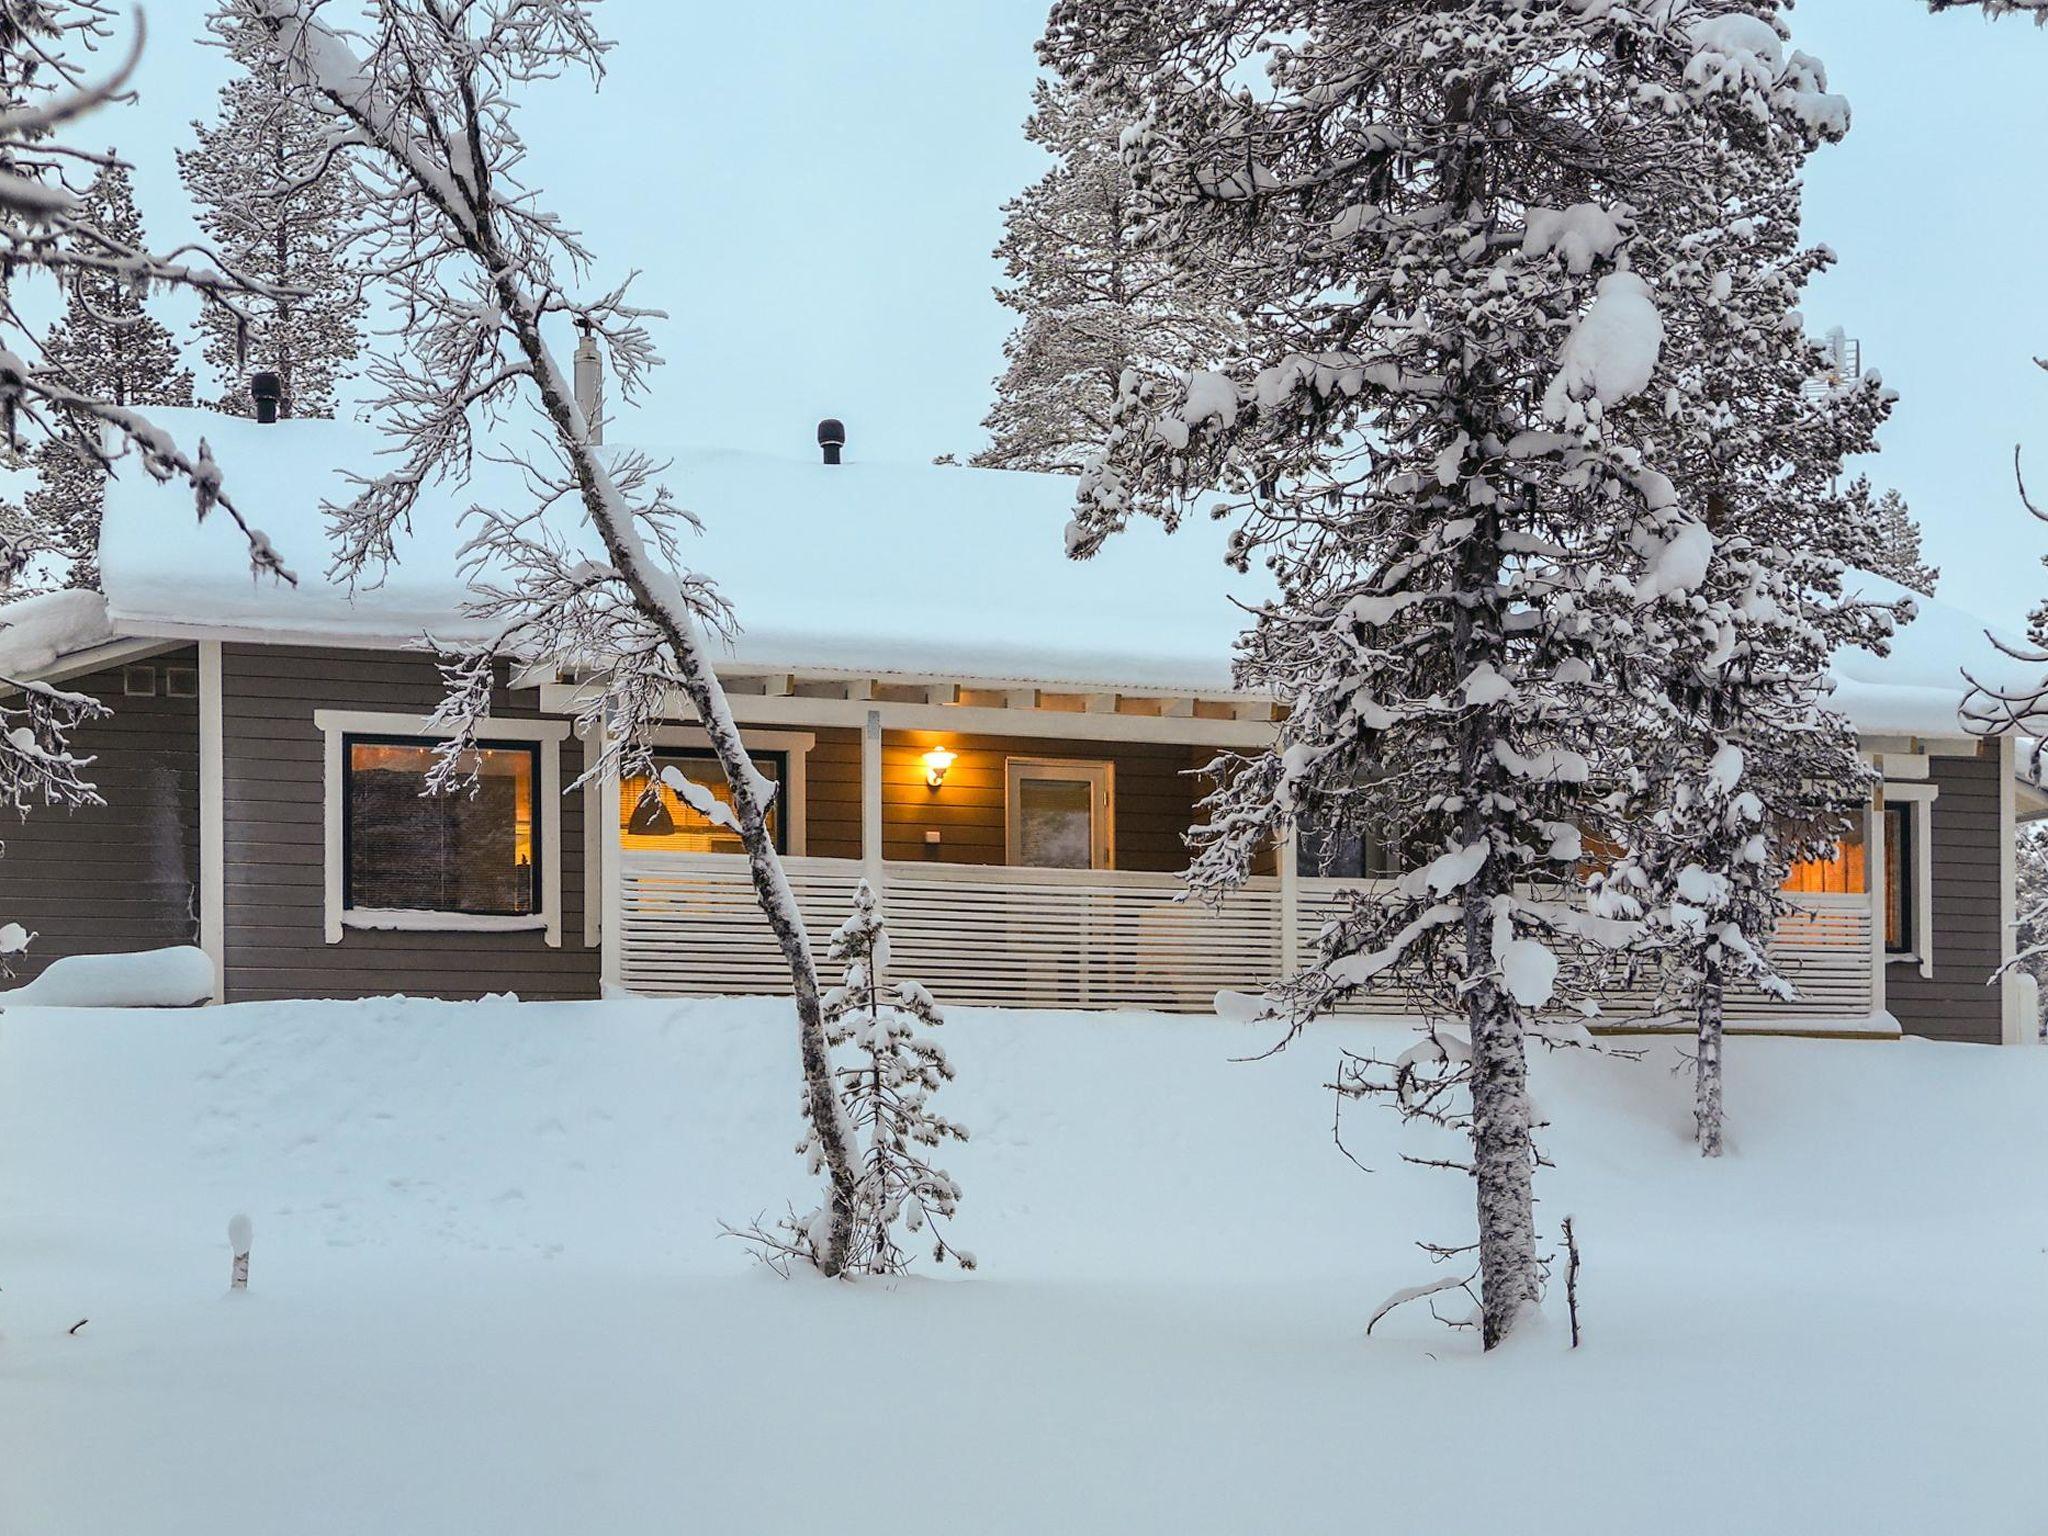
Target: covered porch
<point x="1026" y="847"/>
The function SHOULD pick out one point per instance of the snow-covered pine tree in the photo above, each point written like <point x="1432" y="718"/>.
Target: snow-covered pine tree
<point x="1747" y="769"/>
<point x="108" y="346"/>
<point x="1091" y="299"/>
<point x="1437" y="445"/>
<point x="1894" y="550"/>
<point x="49" y="224"/>
<point x="256" y="177"/>
<point x="418" y="97"/>
<point x="888" y="1069"/>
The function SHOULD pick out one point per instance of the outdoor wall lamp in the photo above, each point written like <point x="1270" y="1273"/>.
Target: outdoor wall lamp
<point x="936" y="762"/>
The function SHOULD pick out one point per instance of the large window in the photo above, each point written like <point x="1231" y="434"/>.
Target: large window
<point x="1057" y="814"/>
<point x="653" y="817"/>
<point x="482" y="858"/>
<point x="472" y="851"/>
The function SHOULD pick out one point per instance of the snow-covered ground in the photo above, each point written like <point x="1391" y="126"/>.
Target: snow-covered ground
<point x="487" y="1292"/>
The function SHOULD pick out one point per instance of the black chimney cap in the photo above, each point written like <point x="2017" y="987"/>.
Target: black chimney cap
<point x="831" y="438"/>
<point x="266" y="389"/>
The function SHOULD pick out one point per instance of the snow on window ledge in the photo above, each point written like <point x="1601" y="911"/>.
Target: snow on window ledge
<point x="444" y="922"/>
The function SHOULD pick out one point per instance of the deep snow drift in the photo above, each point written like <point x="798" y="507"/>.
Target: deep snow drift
<point x="487" y="1292"/>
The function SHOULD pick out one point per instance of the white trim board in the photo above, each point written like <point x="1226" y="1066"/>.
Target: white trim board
<point x="213" y="880"/>
<point x="549" y="734"/>
<point x="1921" y="798"/>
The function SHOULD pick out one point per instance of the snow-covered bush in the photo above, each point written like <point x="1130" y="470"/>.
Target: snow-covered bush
<point x="887" y="1067"/>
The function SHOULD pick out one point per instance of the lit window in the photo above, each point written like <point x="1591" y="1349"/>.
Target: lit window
<point x="470" y="852"/>
<point x="1843" y="874"/>
<point x="654" y="819"/>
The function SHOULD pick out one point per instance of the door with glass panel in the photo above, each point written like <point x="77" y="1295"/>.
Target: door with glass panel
<point x="1058" y="814"/>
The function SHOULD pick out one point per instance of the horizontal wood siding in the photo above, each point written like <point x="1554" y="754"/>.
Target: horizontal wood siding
<point x="104" y="879"/>
<point x="275" y="844"/>
<point x="1154" y="797"/>
<point x="1956" y="1002"/>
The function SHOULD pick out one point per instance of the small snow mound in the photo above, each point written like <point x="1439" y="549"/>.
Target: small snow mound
<point x="178" y="977"/>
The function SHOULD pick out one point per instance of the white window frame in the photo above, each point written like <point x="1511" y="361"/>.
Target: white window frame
<point x="1920" y="892"/>
<point x="1098" y="773"/>
<point x="335" y="724"/>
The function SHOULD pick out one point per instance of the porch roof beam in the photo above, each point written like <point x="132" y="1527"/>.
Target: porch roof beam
<point x="965" y="719"/>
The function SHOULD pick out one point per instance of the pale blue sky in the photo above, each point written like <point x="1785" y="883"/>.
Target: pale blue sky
<point x="812" y="190"/>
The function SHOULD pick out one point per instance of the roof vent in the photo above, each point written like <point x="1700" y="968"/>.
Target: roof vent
<point x="831" y="438"/>
<point x="266" y="390"/>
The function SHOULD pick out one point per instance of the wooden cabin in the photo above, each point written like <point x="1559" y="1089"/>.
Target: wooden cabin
<point x="1003" y="742"/>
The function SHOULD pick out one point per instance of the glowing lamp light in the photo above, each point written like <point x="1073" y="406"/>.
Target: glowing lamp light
<point x="936" y="762"/>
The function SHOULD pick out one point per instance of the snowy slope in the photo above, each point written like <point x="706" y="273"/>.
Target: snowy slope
<point x="487" y="1294"/>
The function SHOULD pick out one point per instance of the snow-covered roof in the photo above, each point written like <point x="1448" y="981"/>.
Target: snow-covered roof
<point x="874" y="569"/>
<point x="1918" y="688"/>
<point x="37" y="632"/>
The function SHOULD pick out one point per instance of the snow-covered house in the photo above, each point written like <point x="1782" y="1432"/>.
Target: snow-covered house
<point x="1001" y="741"/>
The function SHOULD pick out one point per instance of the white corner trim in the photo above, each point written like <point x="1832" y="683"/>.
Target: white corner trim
<point x="593" y="844"/>
<point x="549" y="734"/>
<point x="1873" y="883"/>
<point x="611" y="892"/>
<point x="2015" y="1028"/>
<point x="1921" y="797"/>
<point x="213" y="862"/>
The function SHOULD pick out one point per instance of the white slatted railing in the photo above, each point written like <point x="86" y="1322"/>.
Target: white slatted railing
<point x="1055" y="938"/>
<point x="1046" y="938"/>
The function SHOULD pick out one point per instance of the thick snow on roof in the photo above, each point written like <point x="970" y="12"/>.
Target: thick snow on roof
<point x="1918" y="688"/>
<point x="872" y="567"/>
<point x="36" y="631"/>
<point x="878" y="568"/>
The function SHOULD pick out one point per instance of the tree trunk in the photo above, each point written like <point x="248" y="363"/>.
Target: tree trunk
<point x="1503" y="1151"/>
<point x="655" y="595"/>
<point x="1706" y="1101"/>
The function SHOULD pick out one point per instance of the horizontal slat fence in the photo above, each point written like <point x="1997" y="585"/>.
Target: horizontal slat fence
<point x="1042" y="938"/>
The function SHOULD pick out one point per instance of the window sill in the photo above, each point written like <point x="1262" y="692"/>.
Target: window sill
<point x="1900" y="957"/>
<point x="440" y="922"/>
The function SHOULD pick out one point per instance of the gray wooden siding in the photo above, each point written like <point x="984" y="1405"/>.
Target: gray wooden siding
<point x="276" y="945"/>
<point x="1955" y="1003"/>
<point x="124" y="875"/>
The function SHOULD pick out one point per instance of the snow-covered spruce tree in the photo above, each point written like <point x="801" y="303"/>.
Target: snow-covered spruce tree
<point x="49" y="225"/>
<point x="1437" y="445"/>
<point x="1091" y="299"/>
<point x="107" y="345"/>
<point x="1745" y="769"/>
<point x="889" y="1067"/>
<point x="1894" y="550"/>
<point x="418" y="98"/>
<point x="256" y="178"/>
